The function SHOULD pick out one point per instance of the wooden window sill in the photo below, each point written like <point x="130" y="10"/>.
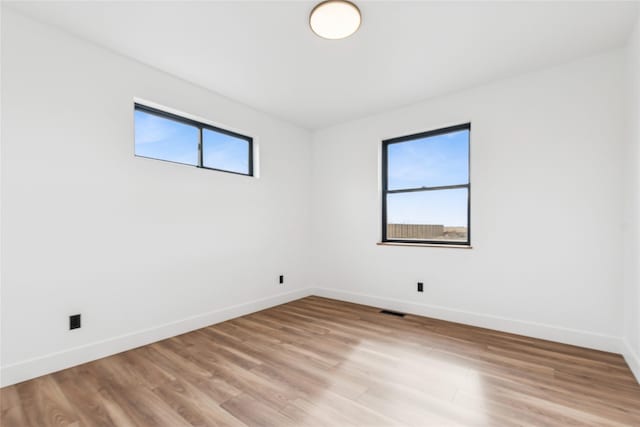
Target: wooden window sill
<point x="427" y="245"/>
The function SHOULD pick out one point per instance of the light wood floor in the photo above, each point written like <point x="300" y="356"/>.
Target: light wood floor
<point x="322" y="362"/>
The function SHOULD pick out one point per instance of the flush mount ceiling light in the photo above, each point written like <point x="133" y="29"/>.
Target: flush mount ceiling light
<point x="335" y="19"/>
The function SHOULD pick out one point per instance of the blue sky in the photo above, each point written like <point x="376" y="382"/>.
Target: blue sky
<point x="226" y="152"/>
<point x="429" y="162"/>
<point x="166" y="139"/>
<point x="446" y="207"/>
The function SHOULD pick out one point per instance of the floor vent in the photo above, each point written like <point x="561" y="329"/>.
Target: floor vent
<point x="392" y="313"/>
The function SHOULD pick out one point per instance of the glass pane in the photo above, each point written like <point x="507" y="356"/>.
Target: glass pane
<point x="226" y="152"/>
<point x="161" y="138"/>
<point x="429" y="162"/>
<point x="428" y="215"/>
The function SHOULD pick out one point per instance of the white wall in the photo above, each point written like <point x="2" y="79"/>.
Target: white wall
<point x="146" y="249"/>
<point x="632" y="209"/>
<point x="143" y="249"/>
<point x="546" y="157"/>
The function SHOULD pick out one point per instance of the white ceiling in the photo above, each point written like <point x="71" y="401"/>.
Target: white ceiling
<point x="264" y="54"/>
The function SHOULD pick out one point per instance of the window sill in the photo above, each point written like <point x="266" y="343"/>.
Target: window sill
<point x="427" y="245"/>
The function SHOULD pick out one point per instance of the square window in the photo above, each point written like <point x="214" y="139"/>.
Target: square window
<point x="163" y="138"/>
<point x="226" y="152"/>
<point x="426" y="188"/>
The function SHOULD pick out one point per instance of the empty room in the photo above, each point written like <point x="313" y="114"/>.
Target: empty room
<point x="319" y="213"/>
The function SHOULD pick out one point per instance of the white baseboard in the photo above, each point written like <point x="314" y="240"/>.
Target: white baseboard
<point x="632" y="359"/>
<point x="530" y="329"/>
<point x="53" y="362"/>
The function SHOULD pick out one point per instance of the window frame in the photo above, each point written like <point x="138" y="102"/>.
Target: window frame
<point x="200" y="126"/>
<point x="385" y="185"/>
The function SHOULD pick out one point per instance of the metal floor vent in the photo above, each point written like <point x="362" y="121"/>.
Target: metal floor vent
<point x="392" y="313"/>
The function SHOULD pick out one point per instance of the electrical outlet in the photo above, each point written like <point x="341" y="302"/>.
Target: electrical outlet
<point x="420" y="287"/>
<point x="281" y="279"/>
<point x="74" y="321"/>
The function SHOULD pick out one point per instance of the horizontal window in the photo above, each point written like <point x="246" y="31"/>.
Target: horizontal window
<point x="426" y="187"/>
<point x="165" y="136"/>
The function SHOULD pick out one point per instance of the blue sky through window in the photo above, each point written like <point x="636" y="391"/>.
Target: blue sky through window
<point x="161" y="138"/>
<point x="221" y="151"/>
<point x="429" y="162"/>
<point x="444" y="207"/>
<point x="434" y="161"/>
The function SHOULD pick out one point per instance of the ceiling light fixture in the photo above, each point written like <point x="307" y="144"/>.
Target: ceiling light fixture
<point x="335" y="19"/>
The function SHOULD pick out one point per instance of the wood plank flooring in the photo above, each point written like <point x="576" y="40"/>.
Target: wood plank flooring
<point x="320" y="362"/>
